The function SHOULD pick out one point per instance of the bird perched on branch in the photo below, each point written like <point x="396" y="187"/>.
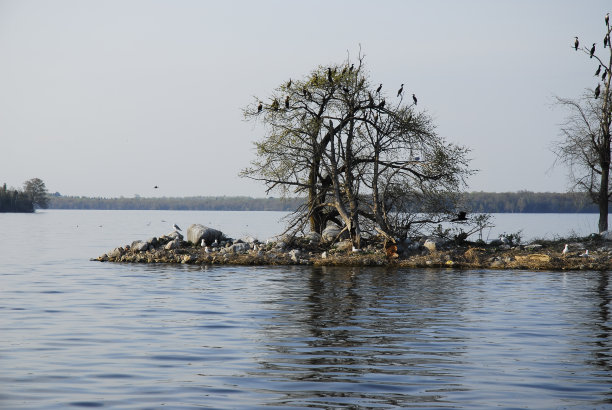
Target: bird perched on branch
<point x="400" y="91"/>
<point x="329" y="75"/>
<point x="287" y="102"/>
<point x="597" y="91"/>
<point x="379" y="88"/>
<point x="259" y="107"/>
<point x="598" y="70"/>
<point x="414" y="99"/>
<point x="592" y="51"/>
<point x="576" y="43"/>
<point x="607" y="19"/>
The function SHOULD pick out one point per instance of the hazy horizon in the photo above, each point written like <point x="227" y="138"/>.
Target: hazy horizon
<point x="111" y="98"/>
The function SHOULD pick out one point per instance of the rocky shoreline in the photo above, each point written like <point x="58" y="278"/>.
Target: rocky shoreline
<point x="207" y="246"/>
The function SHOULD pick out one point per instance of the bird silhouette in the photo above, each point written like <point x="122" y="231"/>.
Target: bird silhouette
<point x="598" y="70"/>
<point x="400" y="91"/>
<point x="607" y="19"/>
<point x="576" y="43"/>
<point x="259" y="107"/>
<point x="379" y="88"/>
<point x="592" y="51"/>
<point x="414" y="99"/>
<point x="597" y="90"/>
<point x="289" y="83"/>
<point x="607" y="41"/>
<point x="603" y="76"/>
<point x="461" y="216"/>
<point x="351" y="68"/>
<point x="370" y="99"/>
<point x="176" y="228"/>
<point x="329" y="75"/>
<point x="382" y="104"/>
<point x="287" y="102"/>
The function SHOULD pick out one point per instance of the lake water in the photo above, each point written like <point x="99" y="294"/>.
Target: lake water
<point x="81" y="334"/>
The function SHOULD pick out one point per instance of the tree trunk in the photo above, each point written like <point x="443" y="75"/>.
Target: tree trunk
<point x="603" y="199"/>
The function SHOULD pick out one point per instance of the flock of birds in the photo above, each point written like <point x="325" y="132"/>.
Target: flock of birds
<point x="606" y="43"/>
<point x="330" y="73"/>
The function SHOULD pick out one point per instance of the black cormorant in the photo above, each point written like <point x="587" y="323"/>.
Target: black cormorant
<point x="351" y="68"/>
<point x="576" y="43"/>
<point x="603" y="76"/>
<point x="382" y="104"/>
<point x="400" y="91"/>
<point x="289" y="83"/>
<point x="329" y="75"/>
<point x="259" y="107"/>
<point x="287" y="102"/>
<point x="379" y="88"/>
<point x="414" y="99"/>
<point x="592" y="50"/>
<point x="598" y="70"/>
<point x="597" y="91"/>
<point x="461" y="216"/>
<point x="607" y="18"/>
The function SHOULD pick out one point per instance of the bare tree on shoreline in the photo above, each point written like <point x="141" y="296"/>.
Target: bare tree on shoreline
<point x="585" y="145"/>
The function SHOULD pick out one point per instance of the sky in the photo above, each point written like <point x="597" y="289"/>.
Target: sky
<point x="111" y="98"/>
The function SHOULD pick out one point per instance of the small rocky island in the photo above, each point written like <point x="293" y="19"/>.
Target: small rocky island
<point x="208" y="246"/>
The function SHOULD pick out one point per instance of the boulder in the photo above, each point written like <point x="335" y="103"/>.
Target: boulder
<point x="117" y="252"/>
<point x="197" y="232"/>
<point x="332" y="231"/>
<point x="313" y="237"/>
<point x="606" y="235"/>
<point x="345" y="245"/>
<point x="140" y="246"/>
<point x="174" y="244"/>
<point x="431" y="245"/>
<point x="174" y="235"/>
<point x="240" y="247"/>
<point x="295" y="255"/>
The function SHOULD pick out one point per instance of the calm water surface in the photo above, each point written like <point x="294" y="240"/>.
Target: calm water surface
<point x="80" y="334"/>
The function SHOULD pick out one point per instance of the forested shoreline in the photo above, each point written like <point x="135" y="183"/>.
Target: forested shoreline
<point x="487" y="202"/>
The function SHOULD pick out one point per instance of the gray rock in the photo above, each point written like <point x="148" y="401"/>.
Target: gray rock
<point x="197" y="232"/>
<point x="331" y="232"/>
<point x="174" y="244"/>
<point x="240" y="247"/>
<point x="249" y="239"/>
<point x="174" y="236"/>
<point x="533" y="246"/>
<point x="345" y="245"/>
<point x="496" y="242"/>
<point x="313" y="237"/>
<point x="606" y="235"/>
<point x="140" y="246"/>
<point x="117" y="252"/>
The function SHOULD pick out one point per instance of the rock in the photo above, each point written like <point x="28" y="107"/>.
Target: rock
<point x="153" y="242"/>
<point x="117" y="252"/>
<point x="140" y="246"/>
<point x="345" y="245"/>
<point x="332" y="231"/>
<point x="240" y="247"/>
<point x="313" y="237"/>
<point x="174" y="244"/>
<point x="175" y="235"/>
<point x="295" y="254"/>
<point x="197" y="232"/>
<point x="533" y="246"/>
<point x="249" y="240"/>
<point x="606" y="235"/>
<point x="496" y="242"/>
<point x="430" y="245"/>
<point x="577" y="245"/>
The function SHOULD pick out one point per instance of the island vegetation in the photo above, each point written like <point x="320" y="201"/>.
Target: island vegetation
<point x="33" y="195"/>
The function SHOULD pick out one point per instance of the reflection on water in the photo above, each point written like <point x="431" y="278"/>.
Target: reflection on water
<point x="75" y="333"/>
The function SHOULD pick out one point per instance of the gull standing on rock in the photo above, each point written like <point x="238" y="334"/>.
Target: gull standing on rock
<point x="176" y="228"/>
<point x="565" y="250"/>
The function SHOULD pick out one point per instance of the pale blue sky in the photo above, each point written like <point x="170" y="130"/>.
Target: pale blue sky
<point x="109" y="98"/>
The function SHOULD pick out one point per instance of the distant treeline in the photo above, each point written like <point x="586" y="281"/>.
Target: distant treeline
<point x="508" y="202"/>
<point x="197" y="203"/>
